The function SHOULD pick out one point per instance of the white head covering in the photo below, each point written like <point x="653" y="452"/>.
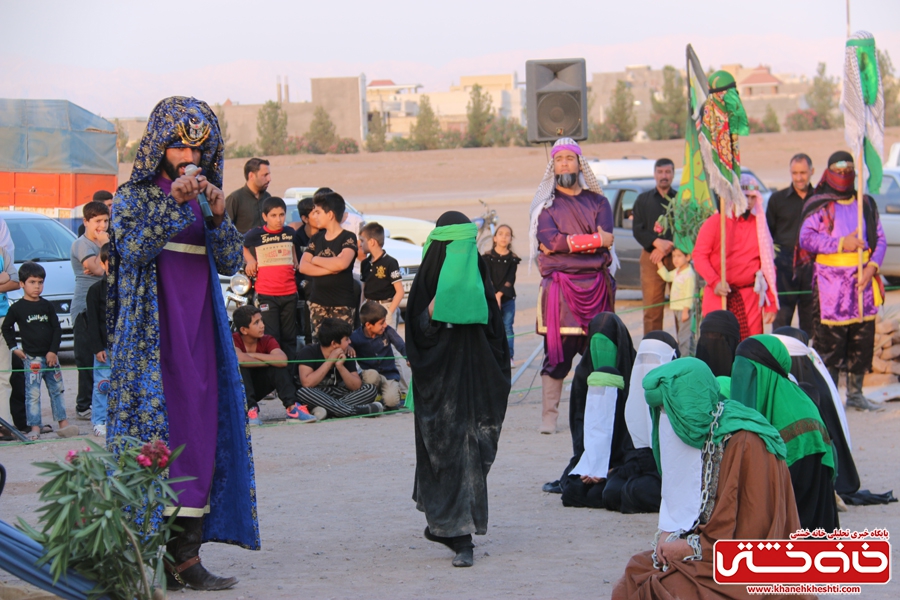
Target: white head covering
<point x="650" y="354"/>
<point x="599" y="422"/>
<point x="682" y="482"/>
<point x="543" y="198"/>
<point x="797" y="348"/>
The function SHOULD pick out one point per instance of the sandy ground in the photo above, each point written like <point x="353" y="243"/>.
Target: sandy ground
<point x="335" y="511"/>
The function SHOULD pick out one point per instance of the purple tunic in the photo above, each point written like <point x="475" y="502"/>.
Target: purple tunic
<point x="188" y="360"/>
<point x="837" y="285"/>
<point x="569" y="215"/>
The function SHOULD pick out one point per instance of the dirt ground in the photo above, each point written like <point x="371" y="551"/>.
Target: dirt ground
<point x="336" y="516"/>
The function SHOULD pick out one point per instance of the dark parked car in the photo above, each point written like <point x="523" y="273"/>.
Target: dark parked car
<point x="621" y="195"/>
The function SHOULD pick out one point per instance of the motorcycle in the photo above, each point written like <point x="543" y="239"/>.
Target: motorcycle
<point x="238" y="292"/>
<point x="487" y="227"/>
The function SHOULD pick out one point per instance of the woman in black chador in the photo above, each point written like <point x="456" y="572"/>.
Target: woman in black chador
<point x="460" y="365"/>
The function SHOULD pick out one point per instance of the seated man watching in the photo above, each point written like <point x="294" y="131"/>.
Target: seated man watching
<point x="264" y="367"/>
<point x="331" y="385"/>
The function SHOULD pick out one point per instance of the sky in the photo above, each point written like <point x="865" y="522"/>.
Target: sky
<point x="118" y="58"/>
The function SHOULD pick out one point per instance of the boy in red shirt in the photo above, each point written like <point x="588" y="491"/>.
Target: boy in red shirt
<point x="271" y="258"/>
<point x="264" y="367"/>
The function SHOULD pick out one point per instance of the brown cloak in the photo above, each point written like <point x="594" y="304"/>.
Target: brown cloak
<point x="754" y="500"/>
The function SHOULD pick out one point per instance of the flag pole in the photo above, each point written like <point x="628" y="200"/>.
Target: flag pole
<point x="722" y="244"/>
<point x="859" y="228"/>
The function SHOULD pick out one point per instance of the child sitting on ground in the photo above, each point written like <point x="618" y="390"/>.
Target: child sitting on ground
<point x="681" y="296"/>
<point x="372" y="342"/>
<point x="270" y="257"/>
<point x="264" y="367"/>
<point x="40" y="334"/>
<point x="331" y="385"/>
<point x="96" y="337"/>
<point x="503" y="263"/>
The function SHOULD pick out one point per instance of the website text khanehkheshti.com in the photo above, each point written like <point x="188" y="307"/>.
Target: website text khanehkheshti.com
<point x="803" y="588"/>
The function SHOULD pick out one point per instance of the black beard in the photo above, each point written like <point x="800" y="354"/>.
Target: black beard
<point x="173" y="171"/>
<point x="567" y="180"/>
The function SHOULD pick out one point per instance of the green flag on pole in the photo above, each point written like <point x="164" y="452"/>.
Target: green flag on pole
<point x="862" y="102"/>
<point x="693" y="205"/>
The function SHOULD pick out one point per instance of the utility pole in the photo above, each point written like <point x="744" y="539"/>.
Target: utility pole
<point x="848" y="19"/>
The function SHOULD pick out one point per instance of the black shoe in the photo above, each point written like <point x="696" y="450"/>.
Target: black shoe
<point x="187" y="569"/>
<point x="464" y="557"/>
<point x="552" y="487"/>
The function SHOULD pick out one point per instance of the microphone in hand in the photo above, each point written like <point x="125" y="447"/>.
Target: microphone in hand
<point x="193" y="170"/>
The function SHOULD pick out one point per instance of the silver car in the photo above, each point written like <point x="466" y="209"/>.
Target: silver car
<point x="888" y="201"/>
<point x="45" y="241"/>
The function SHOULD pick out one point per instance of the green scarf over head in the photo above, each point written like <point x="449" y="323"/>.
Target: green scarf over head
<point x="724" y="386"/>
<point x="689" y="393"/>
<point x="603" y="351"/>
<point x="781" y="401"/>
<point x="460" y="298"/>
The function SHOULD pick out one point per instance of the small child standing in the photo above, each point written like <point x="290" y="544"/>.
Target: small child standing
<point x="372" y="343"/>
<point x="503" y="263"/>
<point x="96" y="331"/>
<point x="269" y="253"/>
<point x="681" y="296"/>
<point x="40" y="336"/>
<point x="380" y="273"/>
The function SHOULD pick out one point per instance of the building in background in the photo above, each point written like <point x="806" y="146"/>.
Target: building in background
<point x="758" y="87"/>
<point x="398" y="104"/>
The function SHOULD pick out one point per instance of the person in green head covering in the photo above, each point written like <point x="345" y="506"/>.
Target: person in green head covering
<point x="698" y="437"/>
<point x="760" y="380"/>
<point x="459" y="356"/>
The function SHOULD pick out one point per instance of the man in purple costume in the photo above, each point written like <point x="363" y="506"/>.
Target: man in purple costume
<point x="844" y="336"/>
<point x="571" y="237"/>
<point x="174" y="372"/>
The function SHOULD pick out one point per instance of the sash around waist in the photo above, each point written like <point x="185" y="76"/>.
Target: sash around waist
<point x="842" y="259"/>
<point x="185" y="248"/>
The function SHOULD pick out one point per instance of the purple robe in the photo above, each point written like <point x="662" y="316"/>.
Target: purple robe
<point x="576" y="215"/>
<point x="838" y="297"/>
<point x="188" y="361"/>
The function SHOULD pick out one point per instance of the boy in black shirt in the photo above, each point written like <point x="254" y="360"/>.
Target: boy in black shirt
<point x="96" y="338"/>
<point x="303" y="231"/>
<point x="380" y="273"/>
<point x="331" y="385"/>
<point x="328" y="260"/>
<point x="40" y="333"/>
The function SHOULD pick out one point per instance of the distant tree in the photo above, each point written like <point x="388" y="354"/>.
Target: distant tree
<point x="322" y="134"/>
<point x="821" y="98"/>
<point x="891" y="89"/>
<point x="620" y="124"/>
<point x="504" y="132"/>
<point x="376" y="138"/>
<point x="400" y="144"/>
<point x="770" y="120"/>
<point x="219" y="111"/>
<point x="244" y="151"/>
<point x="425" y="134"/>
<point x="670" y="112"/>
<point x="478" y="112"/>
<point x="271" y="129"/>
<point x="131" y="153"/>
<point x="451" y="139"/>
<point x="121" y="141"/>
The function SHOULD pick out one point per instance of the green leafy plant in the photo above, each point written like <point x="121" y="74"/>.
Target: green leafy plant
<point x="95" y="517"/>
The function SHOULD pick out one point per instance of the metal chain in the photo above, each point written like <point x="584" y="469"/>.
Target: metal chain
<point x="709" y="451"/>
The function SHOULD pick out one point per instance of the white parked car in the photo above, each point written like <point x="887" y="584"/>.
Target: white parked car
<point x="405" y="229"/>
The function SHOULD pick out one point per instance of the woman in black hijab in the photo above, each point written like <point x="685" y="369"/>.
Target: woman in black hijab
<point x="459" y="357"/>
<point x="607" y="335"/>
<point x="720" y="335"/>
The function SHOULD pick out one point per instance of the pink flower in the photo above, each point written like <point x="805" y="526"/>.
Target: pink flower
<point x="70" y="455"/>
<point x="154" y="453"/>
<point x="657" y="227"/>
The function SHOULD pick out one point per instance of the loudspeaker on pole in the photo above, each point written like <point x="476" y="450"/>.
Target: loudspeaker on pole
<point x="556" y="99"/>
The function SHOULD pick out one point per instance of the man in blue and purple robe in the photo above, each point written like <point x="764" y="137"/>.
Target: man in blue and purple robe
<point x="175" y="376"/>
<point x="571" y="238"/>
